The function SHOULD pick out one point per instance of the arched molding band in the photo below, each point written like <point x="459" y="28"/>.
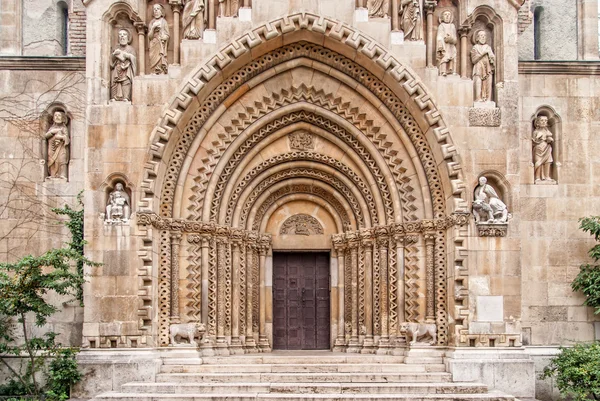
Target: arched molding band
<point x="297" y="170"/>
<point x="346" y="115"/>
<point x="324" y="128"/>
<point x="342" y="202"/>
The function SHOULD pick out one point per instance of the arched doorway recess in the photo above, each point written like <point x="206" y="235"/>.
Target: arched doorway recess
<point x="304" y="116"/>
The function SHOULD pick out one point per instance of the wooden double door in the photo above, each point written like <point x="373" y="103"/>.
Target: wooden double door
<point x="301" y="315"/>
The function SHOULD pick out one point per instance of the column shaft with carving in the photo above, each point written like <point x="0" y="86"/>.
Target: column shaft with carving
<point x="354" y="316"/>
<point x="383" y="260"/>
<point x="430" y="284"/>
<point x="368" y="249"/>
<point x="263" y="342"/>
<point x="250" y="343"/>
<point x="235" y="302"/>
<point x="221" y="262"/>
<point x="175" y="244"/>
<point x="340" y="250"/>
<point x="430" y="7"/>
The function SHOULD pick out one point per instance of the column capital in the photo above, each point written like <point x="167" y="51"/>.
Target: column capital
<point x="140" y="27"/>
<point x="430" y="6"/>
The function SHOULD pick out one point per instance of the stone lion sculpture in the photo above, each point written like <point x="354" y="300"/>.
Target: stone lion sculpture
<point x="186" y="330"/>
<point x="418" y="330"/>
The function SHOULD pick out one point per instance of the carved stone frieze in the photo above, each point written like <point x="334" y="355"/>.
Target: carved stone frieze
<point x="492" y="230"/>
<point x="301" y="224"/>
<point x="484" y="117"/>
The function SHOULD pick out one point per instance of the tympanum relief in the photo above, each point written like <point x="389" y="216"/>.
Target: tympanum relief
<point x="446" y="43"/>
<point x="195" y="17"/>
<point x="123" y="65"/>
<point x="542" y="139"/>
<point x="118" y="207"/>
<point x="301" y="224"/>
<point x="158" y="40"/>
<point x="58" y="143"/>
<point x="490" y="212"/>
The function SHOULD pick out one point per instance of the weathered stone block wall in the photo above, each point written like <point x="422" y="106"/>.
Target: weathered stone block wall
<point x="76" y="32"/>
<point x="10" y="28"/>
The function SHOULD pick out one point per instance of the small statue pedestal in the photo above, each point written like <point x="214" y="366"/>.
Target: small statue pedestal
<point x="484" y="114"/>
<point x="361" y="15"/>
<point x="492" y="229"/>
<point x="56" y="180"/>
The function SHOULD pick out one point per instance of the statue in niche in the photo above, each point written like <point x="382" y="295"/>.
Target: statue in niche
<point x="158" y="36"/>
<point x="484" y="60"/>
<point x="410" y="19"/>
<point x="542" y="150"/>
<point x="378" y="8"/>
<point x="446" y="43"/>
<point x="58" y="141"/>
<point x="488" y="208"/>
<point x="124" y="66"/>
<point x="228" y="8"/>
<point x="119" y="205"/>
<point x="194" y="19"/>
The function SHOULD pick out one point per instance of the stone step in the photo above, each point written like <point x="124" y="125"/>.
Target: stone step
<point x="299" y="397"/>
<point x="325" y="358"/>
<point x="306" y="388"/>
<point x="316" y="368"/>
<point x="304" y="377"/>
<point x="421" y="360"/>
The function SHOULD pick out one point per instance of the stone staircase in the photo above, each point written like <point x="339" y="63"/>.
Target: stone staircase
<point x="314" y="375"/>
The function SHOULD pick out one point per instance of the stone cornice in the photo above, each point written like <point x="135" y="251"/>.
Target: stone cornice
<point x="560" y="67"/>
<point x="34" y="63"/>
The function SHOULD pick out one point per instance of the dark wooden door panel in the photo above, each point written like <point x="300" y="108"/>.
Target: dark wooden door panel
<point x="301" y="301"/>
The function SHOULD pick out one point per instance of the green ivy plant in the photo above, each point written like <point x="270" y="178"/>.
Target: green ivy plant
<point x="24" y="289"/>
<point x="588" y="279"/>
<point x="577" y="371"/>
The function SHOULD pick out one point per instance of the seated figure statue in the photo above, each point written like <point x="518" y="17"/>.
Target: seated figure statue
<point x="488" y="208"/>
<point x="118" y="207"/>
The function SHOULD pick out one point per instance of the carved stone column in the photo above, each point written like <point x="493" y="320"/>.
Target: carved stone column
<point x="430" y="8"/>
<point x="222" y="243"/>
<point x="175" y="244"/>
<point x="463" y="31"/>
<point x="263" y="341"/>
<point x="176" y="7"/>
<point x="141" y="30"/>
<point x="401" y="272"/>
<point x="338" y="243"/>
<point x="212" y="19"/>
<point x="368" y="344"/>
<point x="236" y="344"/>
<point x="384" y="341"/>
<point x="250" y="342"/>
<point x="430" y="283"/>
<point x="353" y="345"/>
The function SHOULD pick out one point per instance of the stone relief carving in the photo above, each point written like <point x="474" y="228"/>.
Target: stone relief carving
<point x="542" y="151"/>
<point x="485" y="117"/>
<point x="58" y="140"/>
<point x="123" y="65"/>
<point x="118" y="208"/>
<point x="484" y="60"/>
<point x="195" y="16"/>
<point x="301" y="224"/>
<point x="301" y="140"/>
<point x="446" y="43"/>
<point x="378" y="8"/>
<point x="190" y="331"/>
<point x="411" y="19"/>
<point x="488" y="208"/>
<point x="228" y="8"/>
<point x="158" y="38"/>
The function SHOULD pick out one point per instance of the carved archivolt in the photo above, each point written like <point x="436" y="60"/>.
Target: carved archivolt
<point x="400" y="81"/>
<point x="301" y="224"/>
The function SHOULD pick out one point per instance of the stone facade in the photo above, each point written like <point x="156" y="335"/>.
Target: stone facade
<point x="326" y="130"/>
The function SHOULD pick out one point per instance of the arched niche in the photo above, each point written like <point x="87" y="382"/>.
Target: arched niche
<point x="499" y="182"/>
<point x="484" y="18"/>
<point x="119" y="16"/>
<point x="555" y="127"/>
<point x="110" y="185"/>
<point x="46" y="122"/>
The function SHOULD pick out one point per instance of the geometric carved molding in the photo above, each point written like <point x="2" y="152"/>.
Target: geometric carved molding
<point x="301" y="224"/>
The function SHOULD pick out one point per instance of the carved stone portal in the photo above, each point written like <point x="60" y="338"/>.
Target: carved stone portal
<point x="301" y="224"/>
